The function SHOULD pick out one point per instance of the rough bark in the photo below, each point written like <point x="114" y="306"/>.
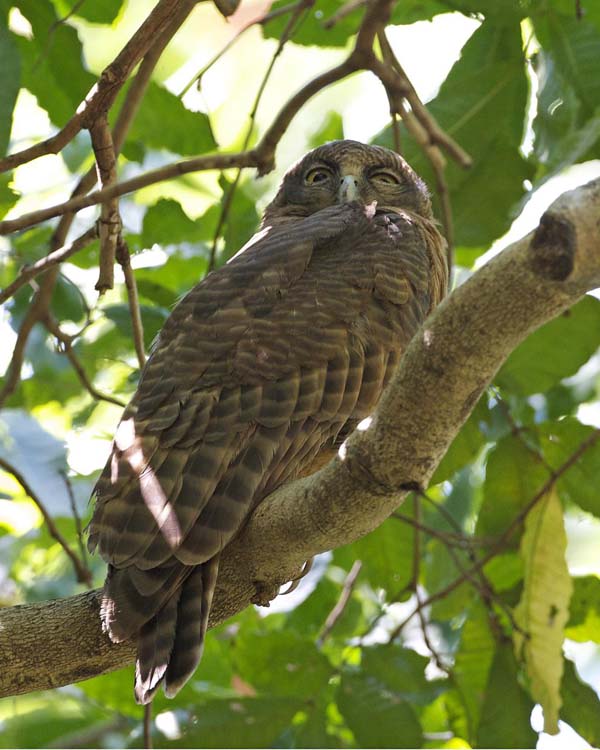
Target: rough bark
<point x="444" y="371"/>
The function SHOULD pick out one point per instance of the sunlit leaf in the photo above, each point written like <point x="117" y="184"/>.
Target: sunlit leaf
<point x="544" y="607"/>
<point x="584" y="610"/>
<point x="99" y="11"/>
<point x="188" y="133"/>
<point x="53" y="64"/>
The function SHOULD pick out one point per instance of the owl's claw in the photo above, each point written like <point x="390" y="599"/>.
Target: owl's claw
<point x="306" y="568"/>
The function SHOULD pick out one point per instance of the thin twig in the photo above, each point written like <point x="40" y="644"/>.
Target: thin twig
<point x="76" y="518"/>
<point x="342" y="602"/>
<point x="134" y="303"/>
<point x="67" y="349"/>
<point x="109" y="226"/>
<point x="148" y="726"/>
<point x="82" y="573"/>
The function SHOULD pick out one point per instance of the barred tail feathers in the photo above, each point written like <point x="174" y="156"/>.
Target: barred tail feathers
<point x="168" y="611"/>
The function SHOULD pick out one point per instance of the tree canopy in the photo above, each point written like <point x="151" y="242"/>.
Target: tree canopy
<point x="479" y="596"/>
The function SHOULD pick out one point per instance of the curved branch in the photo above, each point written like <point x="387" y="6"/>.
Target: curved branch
<point x="457" y="352"/>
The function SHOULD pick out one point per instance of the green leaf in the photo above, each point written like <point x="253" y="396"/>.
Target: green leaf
<point x="67" y="302"/>
<point x="181" y="271"/>
<point x="242" y="220"/>
<point x="377" y="716"/>
<point x="188" y="133"/>
<point x="10" y="75"/>
<point x="53" y="65"/>
<point x="579" y="483"/>
<point x="32" y="726"/>
<point x="487" y="85"/>
<point x="313" y="30"/>
<point x="504" y="571"/>
<point x="332" y="129"/>
<point x="440" y="570"/>
<point x="238" y="723"/>
<point x="402" y="670"/>
<point x="153" y="319"/>
<point x="8" y="196"/>
<point x="581" y="707"/>
<point x="38" y="456"/>
<point x="575" y="48"/>
<point x="584" y="609"/>
<point x="563" y="132"/>
<point x="283" y="663"/>
<point x="473" y="662"/>
<point x="465" y="446"/>
<point x="98" y="11"/>
<point x="506" y="707"/>
<point x="514" y="474"/>
<point x="386" y="555"/>
<point x="417" y="10"/>
<point x="543" y="610"/>
<point x="538" y="363"/>
<point x="166" y="223"/>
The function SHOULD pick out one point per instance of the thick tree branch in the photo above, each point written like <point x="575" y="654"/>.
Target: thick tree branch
<point x="456" y="353"/>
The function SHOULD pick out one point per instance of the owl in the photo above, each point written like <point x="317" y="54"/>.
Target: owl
<point x="259" y="374"/>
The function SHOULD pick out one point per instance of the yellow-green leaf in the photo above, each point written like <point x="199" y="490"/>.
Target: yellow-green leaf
<point x="543" y="610"/>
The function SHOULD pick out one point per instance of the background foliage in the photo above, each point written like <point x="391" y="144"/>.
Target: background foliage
<point x="497" y="564"/>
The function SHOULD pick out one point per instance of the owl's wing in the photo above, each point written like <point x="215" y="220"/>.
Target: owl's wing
<point x="260" y="365"/>
<point x="215" y="376"/>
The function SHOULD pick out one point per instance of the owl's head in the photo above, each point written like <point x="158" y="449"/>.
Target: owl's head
<point x="343" y="171"/>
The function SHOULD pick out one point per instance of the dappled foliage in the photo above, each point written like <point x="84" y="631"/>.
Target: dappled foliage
<point x="452" y="625"/>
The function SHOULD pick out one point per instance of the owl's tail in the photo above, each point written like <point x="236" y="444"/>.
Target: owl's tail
<point x="170" y="630"/>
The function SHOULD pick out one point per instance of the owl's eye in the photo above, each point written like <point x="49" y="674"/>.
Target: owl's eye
<point x="316" y="175"/>
<point x="387" y="178"/>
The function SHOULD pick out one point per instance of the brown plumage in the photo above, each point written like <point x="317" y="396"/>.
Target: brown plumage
<point x="262" y="369"/>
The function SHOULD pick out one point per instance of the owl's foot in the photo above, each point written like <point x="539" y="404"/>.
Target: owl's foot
<point x="264" y="593"/>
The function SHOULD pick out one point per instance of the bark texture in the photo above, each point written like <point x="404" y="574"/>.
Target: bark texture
<point x="442" y="374"/>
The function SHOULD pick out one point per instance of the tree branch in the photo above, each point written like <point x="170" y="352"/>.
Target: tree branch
<point x="456" y="353"/>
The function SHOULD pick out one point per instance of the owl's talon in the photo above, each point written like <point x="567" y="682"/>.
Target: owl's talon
<point x="306" y="568"/>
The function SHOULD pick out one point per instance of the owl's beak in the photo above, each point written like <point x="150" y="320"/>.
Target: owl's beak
<point x="348" y="190"/>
